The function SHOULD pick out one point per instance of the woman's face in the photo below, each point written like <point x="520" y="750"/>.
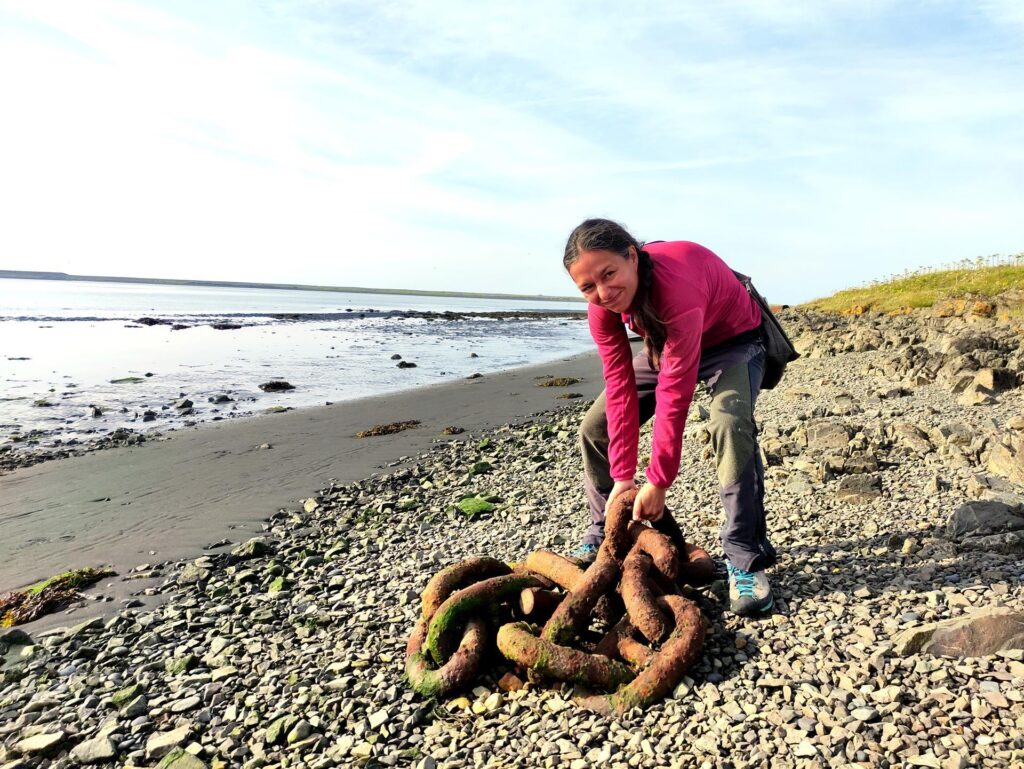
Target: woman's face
<point x="606" y="278"/>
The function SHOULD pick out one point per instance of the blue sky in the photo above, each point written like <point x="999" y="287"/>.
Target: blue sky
<point x="452" y="145"/>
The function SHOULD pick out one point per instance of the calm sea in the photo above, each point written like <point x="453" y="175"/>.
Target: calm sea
<point x="64" y="345"/>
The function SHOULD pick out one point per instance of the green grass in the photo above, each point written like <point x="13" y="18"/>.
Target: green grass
<point x="924" y="289"/>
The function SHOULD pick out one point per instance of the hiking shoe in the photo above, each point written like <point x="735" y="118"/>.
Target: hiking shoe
<point x="585" y="553"/>
<point x="750" y="593"/>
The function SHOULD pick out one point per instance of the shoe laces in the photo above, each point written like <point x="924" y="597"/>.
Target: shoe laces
<point x="744" y="581"/>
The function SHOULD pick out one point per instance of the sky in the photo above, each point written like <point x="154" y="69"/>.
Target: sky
<point x="453" y="144"/>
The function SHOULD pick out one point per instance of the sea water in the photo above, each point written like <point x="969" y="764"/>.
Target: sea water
<point x="69" y="346"/>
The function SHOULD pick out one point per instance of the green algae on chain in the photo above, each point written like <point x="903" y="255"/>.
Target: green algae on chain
<point x="678" y="654"/>
<point x="457" y="576"/>
<point x="468" y="602"/>
<point x="573" y="614"/>
<point x="457" y="673"/>
<point x="638" y="596"/>
<point x="520" y="645"/>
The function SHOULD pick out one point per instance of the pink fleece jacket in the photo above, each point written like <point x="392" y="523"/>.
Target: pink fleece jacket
<point x="701" y="304"/>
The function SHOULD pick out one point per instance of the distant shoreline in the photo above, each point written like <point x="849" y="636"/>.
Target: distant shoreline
<point x="33" y="275"/>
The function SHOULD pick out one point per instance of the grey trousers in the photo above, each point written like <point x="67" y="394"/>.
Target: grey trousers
<point x="732" y="373"/>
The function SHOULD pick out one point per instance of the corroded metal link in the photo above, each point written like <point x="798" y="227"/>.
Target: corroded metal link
<point x="521" y="646"/>
<point x="616" y="542"/>
<point x="458" y="576"/>
<point x="678" y="654"/>
<point x="619" y="642"/>
<point x="471" y="601"/>
<point x="658" y="546"/>
<point x="559" y="569"/>
<point x="573" y="615"/>
<point x="457" y="673"/>
<point x="537" y="604"/>
<point x="696" y="567"/>
<point x="639" y="596"/>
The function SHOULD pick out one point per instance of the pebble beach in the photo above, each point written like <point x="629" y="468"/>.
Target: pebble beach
<point x="895" y="486"/>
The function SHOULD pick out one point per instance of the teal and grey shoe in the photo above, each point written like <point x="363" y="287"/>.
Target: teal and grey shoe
<point x="750" y="593"/>
<point x="585" y="553"/>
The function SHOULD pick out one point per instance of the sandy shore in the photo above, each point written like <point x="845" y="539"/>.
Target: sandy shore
<point x="169" y="499"/>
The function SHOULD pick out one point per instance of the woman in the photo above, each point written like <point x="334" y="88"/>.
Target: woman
<point x="698" y="322"/>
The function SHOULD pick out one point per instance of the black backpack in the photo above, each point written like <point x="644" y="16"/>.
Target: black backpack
<point x="779" y="351"/>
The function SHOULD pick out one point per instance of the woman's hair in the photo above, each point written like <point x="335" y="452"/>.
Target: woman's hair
<point x="606" y="235"/>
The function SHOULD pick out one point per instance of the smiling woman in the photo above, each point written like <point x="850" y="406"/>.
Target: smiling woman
<point x="698" y="322"/>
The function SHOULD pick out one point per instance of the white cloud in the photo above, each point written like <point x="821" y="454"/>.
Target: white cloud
<point x="458" y="142"/>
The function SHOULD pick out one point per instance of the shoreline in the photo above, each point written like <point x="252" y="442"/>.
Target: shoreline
<point x="171" y="498"/>
<point x="76" y="410"/>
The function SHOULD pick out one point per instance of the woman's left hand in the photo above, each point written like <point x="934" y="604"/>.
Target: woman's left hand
<point x="649" y="504"/>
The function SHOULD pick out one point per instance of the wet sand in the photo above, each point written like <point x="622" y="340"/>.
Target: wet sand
<point x="166" y="500"/>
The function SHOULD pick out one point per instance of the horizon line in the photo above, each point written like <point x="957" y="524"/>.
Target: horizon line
<point x="50" y="275"/>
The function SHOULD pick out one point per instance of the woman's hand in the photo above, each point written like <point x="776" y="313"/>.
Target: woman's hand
<point x="618" y="488"/>
<point x="650" y="503"/>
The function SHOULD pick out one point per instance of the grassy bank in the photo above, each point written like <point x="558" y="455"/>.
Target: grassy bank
<point x="925" y="289"/>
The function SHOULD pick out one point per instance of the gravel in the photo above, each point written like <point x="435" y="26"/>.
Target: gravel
<point x="289" y="651"/>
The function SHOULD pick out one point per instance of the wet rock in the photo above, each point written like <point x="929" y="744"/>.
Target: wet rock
<point x="257" y="547"/>
<point x="276" y="386"/>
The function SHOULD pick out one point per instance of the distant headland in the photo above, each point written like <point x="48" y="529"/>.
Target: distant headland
<point x="38" y="275"/>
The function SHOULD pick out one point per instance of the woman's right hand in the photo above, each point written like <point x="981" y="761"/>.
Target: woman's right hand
<point x="618" y="488"/>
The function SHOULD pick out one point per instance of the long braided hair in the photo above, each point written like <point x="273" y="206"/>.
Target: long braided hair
<point x="606" y="235"/>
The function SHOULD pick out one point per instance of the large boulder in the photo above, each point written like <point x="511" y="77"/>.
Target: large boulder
<point x="911" y="438"/>
<point x="996" y="379"/>
<point x="1006" y="459"/>
<point x="981" y="518"/>
<point x="978" y="634"/>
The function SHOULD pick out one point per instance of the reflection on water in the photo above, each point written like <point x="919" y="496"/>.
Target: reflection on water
<point x="72" y="365"/>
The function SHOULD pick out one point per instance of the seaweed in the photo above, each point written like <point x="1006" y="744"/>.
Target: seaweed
<point x="388" y="429"/>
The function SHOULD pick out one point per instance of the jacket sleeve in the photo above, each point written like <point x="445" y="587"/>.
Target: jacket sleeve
<point x="620" y="391"/>
<point x="677" y="379"/>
